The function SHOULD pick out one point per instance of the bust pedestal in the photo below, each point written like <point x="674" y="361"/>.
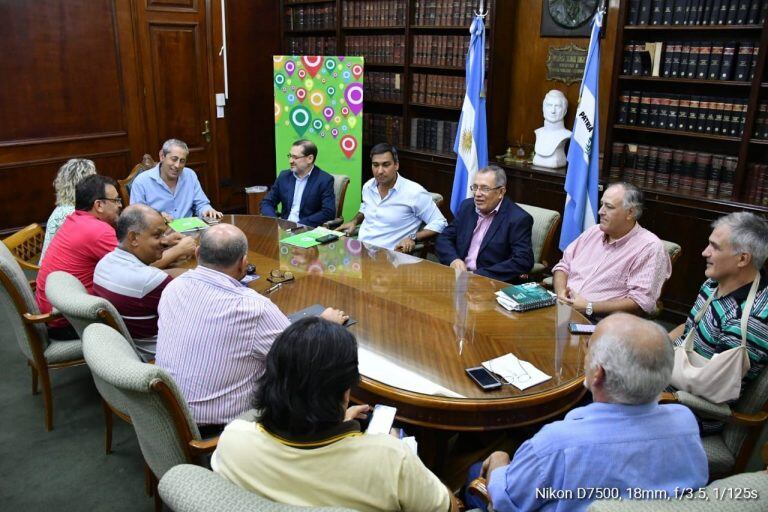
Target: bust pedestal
<point x="550" y="146"/>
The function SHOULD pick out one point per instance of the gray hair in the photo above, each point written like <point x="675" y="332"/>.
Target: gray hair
<point x="221" y="249"/>
<point x="634" y="373"/>
<point x="749" y="233"/>
<point x="69" y="176"/>
<point x="633" y="197"/>
<point x="499" y="175"/>
<point x="167" y="145"/>
<point x="133" y="218"/>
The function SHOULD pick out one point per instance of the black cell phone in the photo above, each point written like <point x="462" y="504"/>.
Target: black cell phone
<point x="330" y="237"/>
<point x="483" y="378"/>
<point x="581" y="328"/>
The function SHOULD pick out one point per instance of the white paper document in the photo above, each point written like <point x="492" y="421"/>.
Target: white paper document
<point x="517" y="372"/>
<point x="379" y="368"/>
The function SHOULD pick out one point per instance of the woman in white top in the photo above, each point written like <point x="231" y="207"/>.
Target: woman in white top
<point x="66" y="180"/>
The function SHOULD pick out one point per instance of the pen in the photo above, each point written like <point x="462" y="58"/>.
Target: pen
<point x="274" y="287"/>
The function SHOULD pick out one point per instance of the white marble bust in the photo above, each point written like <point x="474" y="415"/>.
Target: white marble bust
<point x="551" y="138"/>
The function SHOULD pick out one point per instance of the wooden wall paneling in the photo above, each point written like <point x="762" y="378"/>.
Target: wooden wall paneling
<point x="73" y="94"/>
<point x="175" y="59"/>
<point x="253" y="37"/>
<point x="528" y="84"/>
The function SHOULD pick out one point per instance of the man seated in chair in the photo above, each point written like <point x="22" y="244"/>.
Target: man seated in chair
<point x="623" y="440"/>
<point x="127" y="279"/>
<point x="213" y="333"/>
<point x="305" y="191"/>
<point x="394" y="208"/>
<point x="735" y="256"/>
<point x="491" y="235"/>
<point x="172" y="188"/>
<point x="616" y="265"/>
<point x="307" y="448"/>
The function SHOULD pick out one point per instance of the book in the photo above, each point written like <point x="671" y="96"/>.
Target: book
<point x="524" y="297"/>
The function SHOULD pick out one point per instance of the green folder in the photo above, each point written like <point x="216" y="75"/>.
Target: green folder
<point x="309" y="239"/>
<point x="187" y="224"/>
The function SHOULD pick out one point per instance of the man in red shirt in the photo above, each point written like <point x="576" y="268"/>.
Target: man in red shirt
<point x="84" y="238"/>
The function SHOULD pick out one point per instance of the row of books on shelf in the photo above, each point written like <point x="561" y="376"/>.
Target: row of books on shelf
<point x="389" y="49"/>
<point x="433" y="134"/>
<point x="705" y="60"/>
<point x="311" y="17"/>
<point x="696" y="12"/>
<point x="373" y="13"/>
<point x="311" y="45"/>
<point x="380" y="128"/>
<point x="702" y="114"/>
<point x="435" y="50"/>
<point x="757" y="184"/>
<point x="686" y="172"/>
<point x="446" y="91"/>
<point x="761" y="121"/>
<point x="442" y="13"/>
<point x="382" y="86"/>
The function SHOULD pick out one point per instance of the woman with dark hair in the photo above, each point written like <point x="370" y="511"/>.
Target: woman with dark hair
<point x="307" y="449"/>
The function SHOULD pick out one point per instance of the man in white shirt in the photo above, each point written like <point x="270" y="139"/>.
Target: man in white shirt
<point x="393" y="207"/>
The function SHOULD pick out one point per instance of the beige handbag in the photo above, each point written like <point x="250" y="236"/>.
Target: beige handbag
<point x="718" y="379"/>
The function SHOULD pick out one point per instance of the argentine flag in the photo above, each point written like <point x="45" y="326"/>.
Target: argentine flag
<point x="471" y="144"/>
<point x="584" y="152"/>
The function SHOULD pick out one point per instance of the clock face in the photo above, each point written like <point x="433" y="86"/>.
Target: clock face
<point x="571" y="14"/>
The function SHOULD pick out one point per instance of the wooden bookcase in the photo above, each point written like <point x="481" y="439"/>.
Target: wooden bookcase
<point x="418" y="18"/>
<point x="745" y="147"/>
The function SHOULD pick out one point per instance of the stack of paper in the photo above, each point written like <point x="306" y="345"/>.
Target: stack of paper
<point x="517" y="372"/>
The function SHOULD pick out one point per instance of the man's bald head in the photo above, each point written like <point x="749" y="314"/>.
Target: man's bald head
<point x="222" y="247"/>
<point x="635" y="355"/>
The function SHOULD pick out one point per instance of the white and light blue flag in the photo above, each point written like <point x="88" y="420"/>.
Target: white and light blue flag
<point x="471" y="144"/>
<point x="584" y="152"/>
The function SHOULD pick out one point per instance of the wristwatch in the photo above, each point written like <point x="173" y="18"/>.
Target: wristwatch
<point x="412" y="236"/>
<point x="588" y="310"/>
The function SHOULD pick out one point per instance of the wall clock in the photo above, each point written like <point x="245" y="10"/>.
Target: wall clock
<point x="567" y="18"/>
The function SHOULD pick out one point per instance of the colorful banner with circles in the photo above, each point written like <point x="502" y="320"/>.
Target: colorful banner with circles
<point x="320" y="98"/>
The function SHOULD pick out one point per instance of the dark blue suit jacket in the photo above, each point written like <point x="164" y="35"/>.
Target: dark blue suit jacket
<point x="318" y="203"/>
<point x="505" y="252"/>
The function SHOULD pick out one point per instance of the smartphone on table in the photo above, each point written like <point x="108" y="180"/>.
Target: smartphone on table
<point x="483" y="378"/>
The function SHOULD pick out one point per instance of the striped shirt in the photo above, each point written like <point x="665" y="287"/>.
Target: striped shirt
<point x="213" y="338"/>
<point x="634" y="266"/>
<point x="134" y="288"/>
<point x="720" y="327"/>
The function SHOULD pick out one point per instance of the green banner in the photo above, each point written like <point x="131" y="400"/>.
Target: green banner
<point x="320" y="98"/>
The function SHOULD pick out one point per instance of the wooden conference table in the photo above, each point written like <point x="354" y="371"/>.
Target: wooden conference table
<point x="424" y="318"/>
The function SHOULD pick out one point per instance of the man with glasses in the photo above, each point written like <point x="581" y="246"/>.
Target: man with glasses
<point x="491" y="235"/>
<point x="394" y="208"/>
<point x="304" y="191"/>
<point x="172" y="188"/>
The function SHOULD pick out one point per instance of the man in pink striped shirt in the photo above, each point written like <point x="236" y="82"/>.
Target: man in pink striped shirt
<point x="214" y="333"/>
<point x="616" y="265"/>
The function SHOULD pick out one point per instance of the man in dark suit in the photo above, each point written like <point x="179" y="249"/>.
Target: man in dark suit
<point x="305" y="191"/>
<point x="491" y="235"/>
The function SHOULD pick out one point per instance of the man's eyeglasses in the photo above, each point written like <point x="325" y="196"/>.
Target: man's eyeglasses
<point x="280" y="276"/>
<point x="115" y="200"/>
<point x="483" y="189"/>
<point x="296" y="157"/>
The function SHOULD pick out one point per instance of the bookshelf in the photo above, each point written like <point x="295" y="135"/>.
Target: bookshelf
<point x="691" y="124"/>
<point x="414" y="63"/>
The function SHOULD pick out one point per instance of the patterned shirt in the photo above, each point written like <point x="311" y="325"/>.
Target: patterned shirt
<point x="634" y="266"/>
<point x="720" y="327"/>
<point x="134" y="288"/>
<point x="399" y="214"/>
<point x="55" y="221"/>
<point x="213" y="338"/>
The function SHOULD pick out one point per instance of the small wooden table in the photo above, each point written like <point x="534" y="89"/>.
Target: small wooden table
<point x="426" y="318"/>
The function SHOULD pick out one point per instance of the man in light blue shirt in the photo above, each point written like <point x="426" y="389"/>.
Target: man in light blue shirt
<point x="171" y="188"/>
<point x="394" y="208"/>
<point x="623" y="441"/>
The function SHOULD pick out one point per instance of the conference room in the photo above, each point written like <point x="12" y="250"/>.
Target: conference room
<point x="383" y="255"/>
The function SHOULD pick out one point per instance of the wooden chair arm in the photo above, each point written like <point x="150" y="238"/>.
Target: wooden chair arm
<point x="203" y="446"/>
<point x="41" y="318"/>
<point x="334" y="223"/>
<point x="478" y="487"/>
